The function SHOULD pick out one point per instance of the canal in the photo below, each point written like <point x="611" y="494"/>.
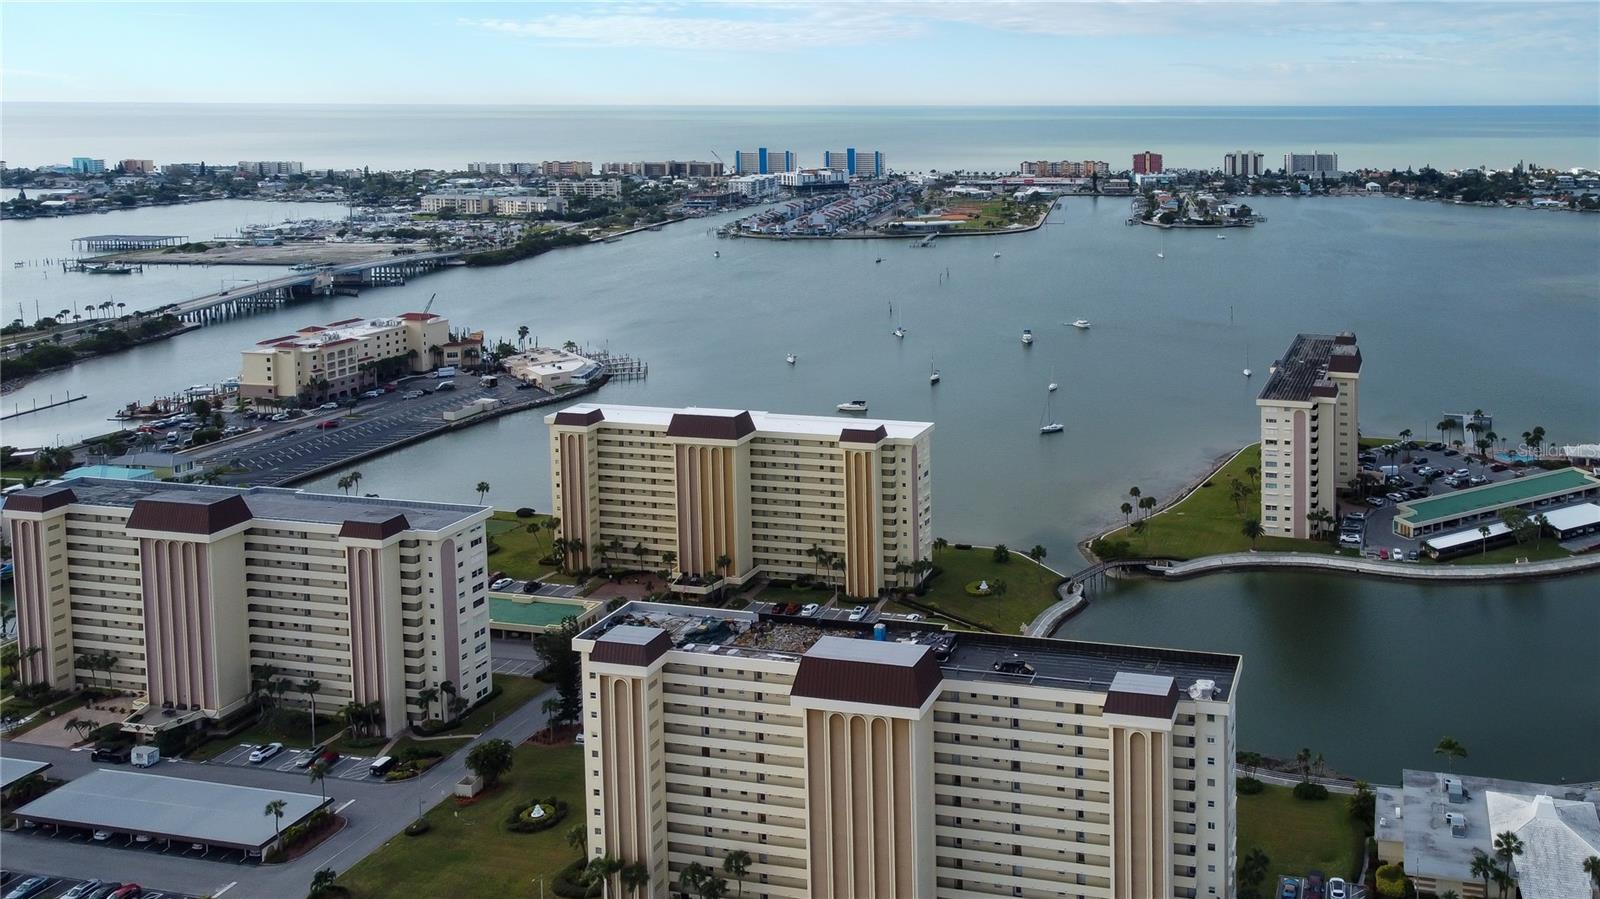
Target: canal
<point x="1455" y="308"/>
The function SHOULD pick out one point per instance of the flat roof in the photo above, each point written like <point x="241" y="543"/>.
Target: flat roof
<point x="1470" y="535"/>
<point x="825" y="426"/>
<point x="276" y="503"/>
<point x="1062" y="664"/>
<point x="171" y="808"/>
<point x="1297" y="377"/>
<point x="1493" y="496"/>
<point x="1581" y="515"/>
<point x="13" y="770"/>
<point x="539" y="613"/>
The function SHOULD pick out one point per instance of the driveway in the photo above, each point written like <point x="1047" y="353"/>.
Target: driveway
<point x="54" y="732"/>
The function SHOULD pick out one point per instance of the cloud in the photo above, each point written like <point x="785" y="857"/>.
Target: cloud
<point x="778" y="26"/>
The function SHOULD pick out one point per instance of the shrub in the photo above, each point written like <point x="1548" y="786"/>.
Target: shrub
<point x="1308" y="790"/>
<point x="1391" y="880"/>
<point x="1249" y="786"/>
<point x="525" y="512"/>
<point x="568" y="884"/>
<point x="418" y="827"/>
<point x="520" y="821"/>
<point x="962" y="545"/>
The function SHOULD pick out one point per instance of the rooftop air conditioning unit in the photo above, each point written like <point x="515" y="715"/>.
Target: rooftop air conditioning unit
<point x="1458" y="823"/>
<point x="1203" y="689"/>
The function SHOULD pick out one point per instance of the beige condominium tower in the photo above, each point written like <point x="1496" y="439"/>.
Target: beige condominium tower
<point x="894" y="759"/>
<point x="1310" y="433"/>
<point x="734" y="494"/>
<point x="191" y="591"/>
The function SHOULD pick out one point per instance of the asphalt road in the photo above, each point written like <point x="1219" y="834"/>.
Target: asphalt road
<point x="285" y="451"/>
<point x="376" y="813"/>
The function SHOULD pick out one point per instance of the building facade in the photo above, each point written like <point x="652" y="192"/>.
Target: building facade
<point x="762" y="161"/>
<point x="855" y="163"/>
<point x="86" y="165"/>
<point x="1313" y="164"/>
<point x="588" y="187"/>
<point x="1147" y="163"/>
<point x="1310" y="432"/>
<point x="460" y="202"/>
<point x="1065" y="168"/>
<point x="194" y="590"/>
<point x="526" y="205"/>
<point x="754" y="186"/>
<point x="911" y="762"/>
<point x="138" y="166"/>
<point x="336" y="360"/>
<point x="1242" y="164"/>
<point x="759" y="490"/>
<point x="268" y="169"/>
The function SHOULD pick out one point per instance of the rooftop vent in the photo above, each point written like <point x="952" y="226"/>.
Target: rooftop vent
<point x="1203" y="689"/>
<point x="1457" y="822"/>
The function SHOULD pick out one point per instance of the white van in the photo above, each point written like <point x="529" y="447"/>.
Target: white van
<point x="381" y="765"/>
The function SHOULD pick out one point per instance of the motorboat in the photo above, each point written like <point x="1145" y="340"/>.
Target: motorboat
<point x="1222" y="237"/>
<point x="1027" y="336"/>
<point x="853" y="406"/>
<point x="1081" y="324"/>
<point x="1053" y="384"/>
<point x="716" y="254"/>
<point x="900" y="330"/>
<point x="1054" y="427"/>
<point x="1247" y="372"/>
<point x="1161" y="255"/>
<point x="791" y="358"/>
<point x="878" y="260"/>
<point x="997" y="255"/>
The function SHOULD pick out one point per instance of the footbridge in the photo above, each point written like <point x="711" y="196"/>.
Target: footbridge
<point x="1073" y="592"/>
<point x="247" y="299"/>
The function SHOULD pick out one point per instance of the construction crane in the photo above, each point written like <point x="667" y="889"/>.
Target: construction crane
<point x="430" y="304"/>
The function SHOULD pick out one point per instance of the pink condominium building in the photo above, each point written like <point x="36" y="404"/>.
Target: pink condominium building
<point x="1310" y="431"/>
<point x="193" y="589"/>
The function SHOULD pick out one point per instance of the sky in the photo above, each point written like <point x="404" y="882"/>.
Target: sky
<point x="920" y="52"/>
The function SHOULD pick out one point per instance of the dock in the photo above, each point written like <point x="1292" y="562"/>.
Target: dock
<point x="17" y="411"/>
<point x="106" y="243"/>
<point x="621" y="367"/>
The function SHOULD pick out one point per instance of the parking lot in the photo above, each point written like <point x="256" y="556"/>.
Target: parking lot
<point x="1377" y="530"/>
<point x="350" y="767"/>
<point x="56" y="887"/>
<point x="1292" y="887"/>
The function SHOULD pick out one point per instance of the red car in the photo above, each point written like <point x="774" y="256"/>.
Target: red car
<point x="131" y="891"/>
<point x="330" y="423"/>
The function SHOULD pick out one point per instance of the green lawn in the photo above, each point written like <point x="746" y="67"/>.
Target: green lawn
<point x="468" y="852"/>
<point x="291" y="727"/>
<point x="1029" y="588"/>
<point x="1209" y="522"/>
<point x="520" y="551"/>
<point x="514" y="691"/>
<point x="1300" y="835"/>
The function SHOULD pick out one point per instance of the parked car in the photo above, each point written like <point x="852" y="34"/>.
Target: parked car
<point x="329" y="424"/>
<point x="1315" y="884"/>
<point x="1350" y="538"/>
<point x="264" y="751"/>
<point x="1338" y="889"/>
<point x="1014" y="666"/>
<point x="1377" y="502"/>
<point x="116" y="755"/>
<point x="810" y="610"/>
<point x="1355" y="516"/>
<point x="1291" y="888"/>
<point x="1477" y="480"/>
<point x="1452" y="452"/>
<point x="104" y="890"/>
<point x="1412" y="556"/>
<point x="501" y="584"/>
<point x="82" y="890"/>
<point x="1499" y="466"/>
<point x="28" y="888"/>
<point x="858" y="613"/>
<point x="412" y="394"/>
<point x="128" y="891"/>
<point x="446" y="385"/>
<point x="101" y="836"/>
<point x="1395" y="497"/>
<point x="381" y="766"/>
<point x="326" y="407"/>
<point x="1435" y="446"/>
<point x="372" y="394"/>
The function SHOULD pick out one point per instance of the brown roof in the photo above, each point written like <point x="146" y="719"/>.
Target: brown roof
<point x="711" y="427"/>
<point x="418" y="316"/>
<point x="581" y="419"/>
<point x="861" y="435"/>
<point x="195" y="514"/>
<point x="1345" y="357"/>
<point x="843" y="669"/>
<point x="377" y="527"/>
<point x="40" y="499"/>
<point x="631" y="644"/>
<point x="1142" y="703"/>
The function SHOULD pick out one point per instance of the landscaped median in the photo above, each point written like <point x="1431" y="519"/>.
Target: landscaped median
<point x="1018" y="588"/>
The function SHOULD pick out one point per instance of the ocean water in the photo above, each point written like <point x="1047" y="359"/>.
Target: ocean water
<point x="914" y="138"/>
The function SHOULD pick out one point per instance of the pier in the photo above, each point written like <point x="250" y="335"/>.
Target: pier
<point x="233" y="302"/>
<point x="620" y="367"/>
<point x="105" y="243"/>
<point x="17" y="411"/>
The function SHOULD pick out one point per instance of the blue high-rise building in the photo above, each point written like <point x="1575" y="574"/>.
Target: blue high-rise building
<point x="855" y="163"/>
<point x="762" y="161"/>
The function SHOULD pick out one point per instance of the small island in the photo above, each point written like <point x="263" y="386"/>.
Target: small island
<point x="1191" y="209"/>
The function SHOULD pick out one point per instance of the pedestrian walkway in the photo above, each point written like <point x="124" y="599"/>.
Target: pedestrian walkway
<point x="1405" y="570"/>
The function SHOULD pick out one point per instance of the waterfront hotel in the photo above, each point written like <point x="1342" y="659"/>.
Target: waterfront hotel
<point x="1310" y="433"/>
<point x="898" y="760"/>
<point x="191" y="589"/>
<point x="735" y="494"/>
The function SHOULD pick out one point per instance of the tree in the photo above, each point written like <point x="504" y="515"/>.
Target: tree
<point x="1251" y="761"/>
<point x="275" y="810"/>
<point x="1363" y="804"/>
<point x="563" y="666"/>
<point x="1445" y="427"/>
<point x="321" y="882"/>
<point x="940" y="545"/>
<point x="1302" y="760"/>
<point x="1127" y="511"/>
<point x="483" y="490"/>
<point x="635" y="877"/>
<point x="1252" y="868"/>
<point x="490" y="760"/>
<point x="318" y="774"/>
<point x="1238" y="492"/>
<point x="1001" y="554"/>
<point x="1252" y="531"/>
<point x="426" y="696"/>
<point x="1134" y="492"/>
<point x="693" y="877"/>
<point x="1483" y="531"/>
<point x="1147" y="504"/>
<point x="578" y="838"/>
<point x="1591" y="867"/>
<point x="448" y="688"/>
<point x="599" y="870"/>
<point x="1451" y="749"/>
<point x="737" y="864"/>
<point x="1391" y="880"/>
<point x="522" y="336"/>
<point x="1038" y="552"/>
<point x="1484" y="869"/>
<point x="724" y="564"/>
<point x="1507" y="846"/>
<point x="345" y="484"/>
<point x="669" y="558"/>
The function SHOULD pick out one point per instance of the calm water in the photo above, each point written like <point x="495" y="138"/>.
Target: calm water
<point x="1455" y="308"/>
<point x="912" y="138"/>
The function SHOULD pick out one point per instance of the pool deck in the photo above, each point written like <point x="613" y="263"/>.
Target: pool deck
<point x="538" y="613"/>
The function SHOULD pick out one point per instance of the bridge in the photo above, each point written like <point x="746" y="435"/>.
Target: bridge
<point x="1073" y="593"/>
<point x="247" y="299"/>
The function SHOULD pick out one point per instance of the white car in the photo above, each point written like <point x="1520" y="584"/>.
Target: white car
<point x="102" y="835"/>
<point x="858" y="613"/>
<point x="264" y="751"/>
<point x="501" y="584"/>
<point x="810" y="610"/>
<point x="325" y="407"/>
<point x="1338" y="889"/>
<point x="82" y="889"/>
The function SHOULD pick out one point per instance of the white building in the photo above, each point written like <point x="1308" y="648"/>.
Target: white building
<point x="460" y="202"/>
<point x="755" y="186"/>
<point x="1312" y="164"/>
<point x="269" y="169"/>
<point x="808" y="179"/>
<point x="1310" y="432"/>
<point x="1242" y="164"/>
<point x="525" y="205"/>
<point x="335" y="360"/>
<point x="588" y="187"/>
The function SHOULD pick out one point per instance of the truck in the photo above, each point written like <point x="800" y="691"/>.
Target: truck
<point x="445" y="371"/>
<point x="146" y="756"/>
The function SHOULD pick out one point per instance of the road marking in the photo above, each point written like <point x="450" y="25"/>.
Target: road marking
<point x="347" y="804"/>
<point x="216" y="893"/>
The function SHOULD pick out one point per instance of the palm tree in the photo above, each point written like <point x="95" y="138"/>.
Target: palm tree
<point x="1451" y="749"/>
<point x="318" y="775"/>
<point x="449" y="689"/>
<point x="737" y="864"/>
<point x="1252" y="473"/>
<point x="1444" y="427"/>
<point x="599" y="870"/>
<point x="1405" y="435"/>
<point x="575" y="546"/>
<point x="1484" y="869"/>
<point x="345" y="484"/>
<point x="635" y="877"/>
<point x="426" y="696"/>
<point x="1591" y="867"/>
<point x="1252" y="531"/>
<point x="483" y="490"/>
<point x="1147" y="504"/>
<point x="1127" y="511"/>
<point x="1302" y="759"/>
<point x="522" y="336"/>
<point x="693" y="877"/>
<point x="669" y="558"/>
<point x="1483" y="531"/>
<point x="311" y="688"/>
<point x="275" y="809"/>
<point x="724" y="564"/>
<point x="321" y="882"/>
<point x="940" y="545"/>
<point x="1134" y="492"/>
<point x="1038" y="552"/>
<point x="900" y="568"/>
<point x="1507" y="846"/>
<point x="578" y="837"/>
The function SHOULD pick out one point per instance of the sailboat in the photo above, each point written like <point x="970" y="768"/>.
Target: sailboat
<point x="1048" y="425"/>
<point x="1247" y="359"/>
<point x="933" y="373"/>
<point x="900" y="329"/>
<point x="716" y="254"/>
<point x="1161" y="255"/>
<point x="1081" y="324"/>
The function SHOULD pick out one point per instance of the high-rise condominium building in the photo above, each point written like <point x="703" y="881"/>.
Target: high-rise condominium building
<point x="588" y="187"/>
<point x="86" y="165"/>
<point x="762" y="161"/>
<point x="906" y="763"/>
<point x="1065" y="168"/>
<point x="568" y="169"/>
<point x="1242" y="164"/>
<point x="855" y="163"/>
<point x="1315" y="164"/>
<point x="1310" y="431"/>
<point x="138" y="166"/>
<point x="1147" y="163"/>
<point x="735" y="494"/>
<point x="268" y="169"/>
<point x="192" y="590"/>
